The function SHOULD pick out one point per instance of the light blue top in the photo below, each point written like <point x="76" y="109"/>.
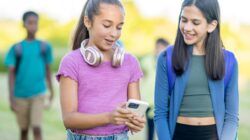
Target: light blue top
<point x="30" y="79"/>
<point x="225" y="102"/>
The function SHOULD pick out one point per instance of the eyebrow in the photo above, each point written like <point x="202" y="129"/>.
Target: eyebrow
<point x="191" y="19"/>
<point x="106" y="20"/>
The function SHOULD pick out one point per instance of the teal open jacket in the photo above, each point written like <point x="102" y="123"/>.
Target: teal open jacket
<point x="225" y="101"/>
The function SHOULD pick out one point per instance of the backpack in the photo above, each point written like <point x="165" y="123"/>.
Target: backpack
<point x="18" y="53"/>
<point x="228" y="57"/>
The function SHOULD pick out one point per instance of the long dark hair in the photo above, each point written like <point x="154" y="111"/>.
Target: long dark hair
<point x="90" y="9"/>
<point x="214" y="59"/>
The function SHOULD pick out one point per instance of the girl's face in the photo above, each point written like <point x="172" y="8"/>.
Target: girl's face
<point x="194" y="26"/>
<point x="106" y="27"/>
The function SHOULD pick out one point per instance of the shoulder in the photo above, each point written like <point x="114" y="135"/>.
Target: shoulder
<point x="228" y="53"/>
<point x="162" y="56"/>
<point x="229" y="56"/>
<point x="71" y="61"/>
<point x="162" y="61"/>
<point x="170" y="48"/>
<point x="19" y="43"/>
<point x="73" y="56"/>
<point x="14" y="46"/>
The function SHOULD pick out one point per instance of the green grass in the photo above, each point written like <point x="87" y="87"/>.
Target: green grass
<point x="244" y="127"/>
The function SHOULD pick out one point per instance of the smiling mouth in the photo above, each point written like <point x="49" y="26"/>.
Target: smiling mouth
<point x="188" y="36"/>
<point x="109" y="42"/>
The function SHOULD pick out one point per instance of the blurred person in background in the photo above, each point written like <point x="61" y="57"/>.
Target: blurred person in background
<point x="148" y="64"/>
<point x="29" y="68"/>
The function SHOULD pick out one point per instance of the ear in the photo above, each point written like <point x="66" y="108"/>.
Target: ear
<point x="87" y="22"/>
<point x="212" y="26"/>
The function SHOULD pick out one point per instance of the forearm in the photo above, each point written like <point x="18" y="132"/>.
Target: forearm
<point x="11" y="83"/>
<point x="48" y="78"/>
<point x="78" y="120"/>
<point x="162" y="129"/>
<point x="161" y="117"/>
<point x="134" y="91"/>
<point x="229" y="131"/>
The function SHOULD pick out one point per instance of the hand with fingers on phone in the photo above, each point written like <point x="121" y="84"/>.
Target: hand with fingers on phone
<point x="136" y="123"/>
<point x="120" y="115"/>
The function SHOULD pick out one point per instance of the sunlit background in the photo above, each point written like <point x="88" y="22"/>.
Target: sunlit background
<point x="146" y="20"/>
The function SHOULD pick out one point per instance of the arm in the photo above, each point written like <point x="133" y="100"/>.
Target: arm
<point x="10" y="62"/>
<point x="49" y="82"/>
<point x="137" y="123"/>
<point x="74" y="119"/>
<point x="11" y="87"/>
<point x="161" y="100"/>
<point x="134" y="91"/>
<point x="48" y="61"/>
<point x="134" y="82"/>
<point x="231" y="119"/>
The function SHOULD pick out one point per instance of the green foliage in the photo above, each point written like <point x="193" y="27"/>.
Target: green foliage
<point x="56" y="33"/>
<point x="2" y="67"/>
<point x="138" y="35"/>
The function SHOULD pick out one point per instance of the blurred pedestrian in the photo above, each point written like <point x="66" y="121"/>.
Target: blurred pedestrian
<point x="29" y="68"/>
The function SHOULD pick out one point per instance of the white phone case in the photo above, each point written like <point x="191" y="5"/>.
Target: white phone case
<point x="137" y="106"/>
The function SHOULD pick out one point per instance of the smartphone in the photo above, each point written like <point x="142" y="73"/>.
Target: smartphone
<point x="137" y="106"/>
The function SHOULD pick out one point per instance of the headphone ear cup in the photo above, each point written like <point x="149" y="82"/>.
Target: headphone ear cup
<point x="93" y="56"/>
<point x="118" y="57"/>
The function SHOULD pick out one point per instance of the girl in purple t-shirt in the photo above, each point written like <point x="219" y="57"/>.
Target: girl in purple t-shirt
<point x="98" y="77"/>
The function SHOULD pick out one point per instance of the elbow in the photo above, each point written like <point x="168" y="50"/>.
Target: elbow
<point x="68" y="121"/>
<point x="232" y="119"/>
<point x="160" y="116"/>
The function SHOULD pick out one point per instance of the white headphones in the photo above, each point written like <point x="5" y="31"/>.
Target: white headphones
<point x="94" y="57"/>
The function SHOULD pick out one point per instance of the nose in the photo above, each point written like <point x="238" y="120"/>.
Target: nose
<point x="188" y="27"/>
<point x="114" y="33"/>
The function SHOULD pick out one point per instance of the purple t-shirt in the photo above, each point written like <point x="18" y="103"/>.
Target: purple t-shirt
<point x="102" y="88"/>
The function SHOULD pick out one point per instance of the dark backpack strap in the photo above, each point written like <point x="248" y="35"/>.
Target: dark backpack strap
<point x="170" y="72"/>
<point x="43" y="49"/>
<point x="18" y="56"/>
